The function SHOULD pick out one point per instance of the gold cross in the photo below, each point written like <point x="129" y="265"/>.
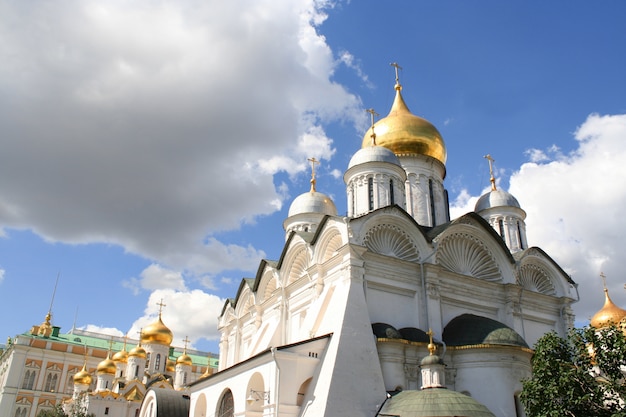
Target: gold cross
<point x="161" y="305"/>
<point x="603" y="279"/>
<point x="373" y="135"/>
<point x="313" y="161"/>
<point x="397" y="67"/>
<point x="492" y="179"/>
<point x="185" y="341"/>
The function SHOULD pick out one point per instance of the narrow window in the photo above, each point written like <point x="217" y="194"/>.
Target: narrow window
<point x="519" y="235"/>
<point x="26" y="378"/>
<point x="147" y="359"/>
<point x="157" y="363"/>
<point x="136" y="371"/>
<point x="106" y="411"/>
<point x="432" y="202"/>
<point x="501" y="226"/>
<point x="184" y="378"/>
<point x="370" y="191"/>
<point x="391" y="196"/>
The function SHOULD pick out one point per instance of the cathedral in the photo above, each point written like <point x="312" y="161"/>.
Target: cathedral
<point x="391" y="309"/>
<point x="93" y="373"/>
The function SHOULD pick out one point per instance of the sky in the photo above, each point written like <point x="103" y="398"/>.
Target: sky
<point x="150" y="149"/>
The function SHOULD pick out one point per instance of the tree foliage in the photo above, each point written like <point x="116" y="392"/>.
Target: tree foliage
<point x="580" y="376"/>
<point x="58" y="411"/>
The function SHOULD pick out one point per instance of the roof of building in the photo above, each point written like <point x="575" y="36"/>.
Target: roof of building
<point x="469" y="329"/>
<point x="433" y="402"/>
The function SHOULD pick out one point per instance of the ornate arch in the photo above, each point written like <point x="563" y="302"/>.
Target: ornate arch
<point x="465" y="254"/>
<point x="535" y="278"/>
<point x="298" y="265"/>
<point x="270" y="284"/>
<point x="390" y="240"/>
<point x="330" y="247"/>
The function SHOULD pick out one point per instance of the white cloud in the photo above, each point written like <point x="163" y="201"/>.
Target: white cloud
<point x="155" y="120"/>
<point x="156" y="277"/>
<point x="111" y="331"/>
<point x="186" y="313"/>
<point x="2" y="272"/>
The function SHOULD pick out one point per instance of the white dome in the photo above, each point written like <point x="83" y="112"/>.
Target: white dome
<point x="496" y="198"/>
<point x="312" y="202"/>
<point x="373" y="154"/>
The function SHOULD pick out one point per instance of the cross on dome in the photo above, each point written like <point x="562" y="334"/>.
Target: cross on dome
<point x="313" y="161"/>
<point x="492" y="179"/>
<point x="397" y="68"/>
<point x="373" y="114"/>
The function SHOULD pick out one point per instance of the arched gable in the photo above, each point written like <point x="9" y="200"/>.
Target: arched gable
<point x="245" y="301"/>
<point x="469" y="246"/>
<point x="328" y="245"/>
<point x="268" y="284"/>
<point x="391" y="231"/>
<point x="537" y="272"/>
<point x="295" y="264"/>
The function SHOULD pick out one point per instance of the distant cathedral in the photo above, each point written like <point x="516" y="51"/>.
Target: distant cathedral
<point x="44" y="367"/>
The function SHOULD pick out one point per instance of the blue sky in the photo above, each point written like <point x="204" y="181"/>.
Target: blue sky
<point x="151" y="149"/>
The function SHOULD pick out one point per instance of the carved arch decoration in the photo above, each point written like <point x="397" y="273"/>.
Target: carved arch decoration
<point x="298" y="266"/>
<point x="244" y="303"/>
<point x="270" y="284"/>
<point x="534" y="278"/>
<point x="331" y="246"/>
<point x="465" y="254"/>
<point x="390" y="240"/>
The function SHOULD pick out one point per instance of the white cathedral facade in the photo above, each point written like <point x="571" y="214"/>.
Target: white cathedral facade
<point x="340" y="323"/>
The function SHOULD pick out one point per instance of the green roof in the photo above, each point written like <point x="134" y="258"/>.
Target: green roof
<point x="434" y="402"/>
<point x="469" y="329"/>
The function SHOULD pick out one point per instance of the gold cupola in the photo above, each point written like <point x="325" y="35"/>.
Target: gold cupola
<point x="608" y="314"/>
<point x="158" y="333"/>
<point x="83" y="377"/>
<point x="107" y="366"/>
<point x="405" y="133"/>
<point x="138" y="351"/>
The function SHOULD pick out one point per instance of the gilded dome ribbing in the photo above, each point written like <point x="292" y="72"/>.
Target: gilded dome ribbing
<point x="121" y="356"/>
<point x="184" y="359"/>
<point x="107" y="366"/>
<point x="608" y="314"/>
<point x="157" y="332"/>
<point x="406" y="134"/>
<point x="83" y="377"/>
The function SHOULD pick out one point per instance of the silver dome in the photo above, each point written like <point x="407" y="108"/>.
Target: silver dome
<point x="496" y="198"/>
<point x="312" y="202"/>
<point x="373" y="154"/>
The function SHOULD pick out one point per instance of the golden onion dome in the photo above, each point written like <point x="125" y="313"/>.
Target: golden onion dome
<point x="121" y="356"/>
<point x="184" y="359"/>
<point x="157" y="332"/>
<point x="138" y="351"/>
<point x="107" y="366"/>
<point x="83" y="377"/>
<point x="406" y="134"/>
<point x="170" y="366"/>
<point x="608" y="314"/>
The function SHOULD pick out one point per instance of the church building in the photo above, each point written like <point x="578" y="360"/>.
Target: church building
<point x="391" y="307"/>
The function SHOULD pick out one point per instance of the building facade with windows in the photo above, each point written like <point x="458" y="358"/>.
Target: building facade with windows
<point x="106" y="375"/>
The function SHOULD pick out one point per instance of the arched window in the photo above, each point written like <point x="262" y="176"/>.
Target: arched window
<point x="26" y="378"/>
<point x="147" y="359"/>
<point x="31" y="380"/>
<point x="226" y="407"/>
<point x="184" y="378"/>
<point x="519" y="235"/>
<point x="136" y="371"/>
<point x="501" y="226"/>
<point x="391" y="196"/>
<point x="157" y="362"/>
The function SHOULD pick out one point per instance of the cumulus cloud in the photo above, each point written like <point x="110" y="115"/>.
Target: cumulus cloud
<point x="156" y="277"/>
<point x="2" y="272"/>
<point x="180" y="306"/>
<point x="111" y="331"/>
<point x="155" y="125"/>
<point x="575" y="204"/>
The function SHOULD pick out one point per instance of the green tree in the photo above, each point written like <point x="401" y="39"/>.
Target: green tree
<point x="580" y="376"/>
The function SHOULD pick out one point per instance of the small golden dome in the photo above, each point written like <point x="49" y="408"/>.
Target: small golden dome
<point x="107" y="366"/>
<point x="121" y="356"/>
<point x="406" y="134"/>
<point x="170" y="366"/>
<point x="138" y="351"/>
<point x="157" y="332"/>
<point x="608" y="314"/>
<point x="184" y="359"/>
<point x="83" y="377"/>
